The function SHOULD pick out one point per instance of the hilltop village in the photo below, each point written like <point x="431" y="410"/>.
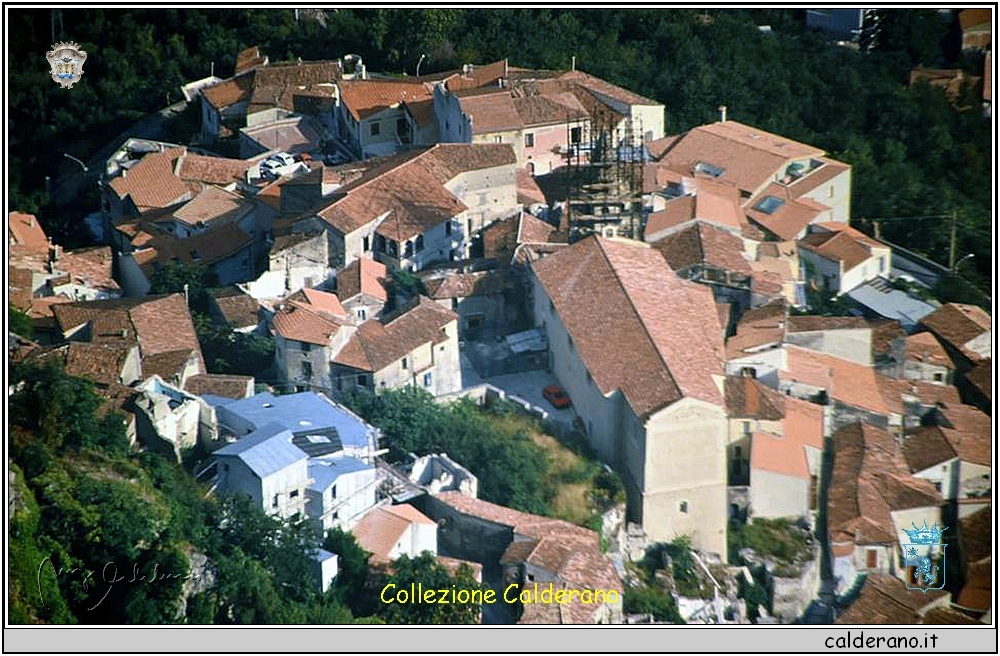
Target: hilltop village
<point x="778" y="394"/>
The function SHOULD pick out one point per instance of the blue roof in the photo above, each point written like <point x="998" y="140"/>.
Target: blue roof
<point x="895" y="304"/>
<point x="322" y="555"/>
<point x="326" y="471"/>
<point x="266" y="450"/>
<point x="303" y="414"/>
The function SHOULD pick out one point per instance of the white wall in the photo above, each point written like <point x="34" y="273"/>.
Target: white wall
<point x="778" y="495"/>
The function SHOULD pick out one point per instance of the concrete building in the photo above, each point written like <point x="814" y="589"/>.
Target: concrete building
<point x="925" y="359"/>
<point x="267" y="467"/>
<point x="643" y="379"/>
<point x="340" y="490"/>
<point x="953" y="453"/>
<point x="361" y="288"/>
<point x="483" y="300"/>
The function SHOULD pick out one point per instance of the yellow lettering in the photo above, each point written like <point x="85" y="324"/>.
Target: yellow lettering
<point x="509" y="601"/>
<point x="489" y="596"/>
<point x="477" y="592"/>
<point x="571" y="593"/>
<point x="599" y="597"/>
<point x="525" y="596"/>
<point x="460" y="599"/>
<point x="560" y="596"/>
<point x="443" y="599"/>
<point x="429" y="596"/>
<point x="587" y="597"/>
<point x="384" y="600"/>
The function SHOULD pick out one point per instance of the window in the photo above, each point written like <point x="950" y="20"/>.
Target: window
<point x="708" y="169"/>
<point x="420" y="243"/>
<point x="590" y="379"/>
<point x="454" y="304"/>
<point x="569" y="341"/>
<point x="529" y="139"/>
<point x="531" y="168"/>
<point x="737" y="452"/>
<point x="829" y="193"/>
<point x="333" y="492"/>
<point x="684" y="507"/>
<point x="939" y="377"/>
<point x="408" y="250"/>
<point x="374" y="129"/>
<point x="872" y="559"/>
<point x="498" y="139"/>
<point x="881" y="264"/>
<point x="428" y="379"/>
<point x="769" y="205"/>
<point x="362" y="313"/>
<point x="307" y="370"/>
<point x="575" y="134"/>
<point x="402" y="127"/>
<point x="366" y="242"/>
<point x="404" y="363"/>
<point x="447" y="228"/>
<point x="306" y="347"/>
<point x="294" y="494"/>
<point x="274" y="502"/>
<point x="746" y="427"/>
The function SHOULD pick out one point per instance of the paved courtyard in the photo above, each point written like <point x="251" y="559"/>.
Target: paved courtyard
<point x="528" y="385"/>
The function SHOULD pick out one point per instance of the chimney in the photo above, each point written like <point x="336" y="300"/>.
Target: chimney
<point x="722" y="113"/>
<point x="573" y="64"/>
<point x="31" y="220"/>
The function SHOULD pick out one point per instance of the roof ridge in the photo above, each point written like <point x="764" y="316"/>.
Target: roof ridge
<point x="639" y="316"/>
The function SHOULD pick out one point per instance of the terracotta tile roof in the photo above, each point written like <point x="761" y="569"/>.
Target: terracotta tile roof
<point x="760" y="327"/>
<point x="167" y="365"/>
<point x="151" y="183"/>
<point x="804" y="422"/>
<point x="101" y="363"/>
<point x="789" y="220"/>
<point x="828" y="170"/>
<point x="491" y="112"/>
<point x="976" y="533"/>
<point x="844" y="380"/>
<point x="703" y="244"/>
<point x="363" y="276"/>
<point x="25" y="235"/>
<point x="969" y="18"/>
<point x="770" y="275"/>
<point x="870" y="480"/>
<point x="231" y="91"/>
<point x="422" y="112"/>
<point x="924" y="347"/>
<point x="714" y="208"/>
<point x="463" y="285"/>
<point x="382" y="527"/>
<point x="747" y="156"/>
<point x="569" y="551"/>
<point x="211" y="170"/>
<point x="202" y="249"/>
<point x="602" y="88"/>
<point x="294" y="134"/>
<point x="89" y="266"/>
<point x="957" y="324"/>
<point x="363" y="98"/>
<point x="42" y="308"/>
<point x="748" y="398"/>
<point x="946" y="616"/>
<point x="532" y="230"/>
<point x="884" y="333"/>
<point x="227" y="386"/>
<point x="897" y="390"/>
<point x="668" y="342"/>
<point x="658" y="147"/>
<point x="410" y="189"/>
<point x="840" y="246"/>
<point x="548" y="109"/>
<point x="238" y="308"/>
<point x="158" y="324"/>
<point x="779" y="455"/>
<point x="528" y="191"/>
<point x="809" y="323"/>
<point x="320" y="301"/>
<point x="376" y="345"/>
<point x="300" y="323"/>
<point x="977" y="593"/>
<point x="454" y="565"/>
<point x="19" y="286"/>
<point x="981" y="378"/>
<point x="885" y="599"/>
<point x="248" y="58"/>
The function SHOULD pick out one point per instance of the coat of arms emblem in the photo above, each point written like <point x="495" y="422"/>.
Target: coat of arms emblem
<point x="66" y="61"/>
<point x="925" y="555"/>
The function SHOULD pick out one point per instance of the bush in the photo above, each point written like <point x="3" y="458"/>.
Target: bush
<point x="643" y="599"/>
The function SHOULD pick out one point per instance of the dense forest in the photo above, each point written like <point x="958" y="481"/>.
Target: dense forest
<point x="917" y="157"/>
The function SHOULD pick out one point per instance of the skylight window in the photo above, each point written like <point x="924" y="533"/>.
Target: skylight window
<point x="769" y="205"/>
<point x="708" y="169"/>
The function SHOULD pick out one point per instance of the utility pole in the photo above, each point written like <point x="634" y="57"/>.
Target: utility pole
<point x="954" y="234"/>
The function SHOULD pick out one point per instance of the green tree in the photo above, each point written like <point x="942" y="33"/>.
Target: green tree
<point x="19" y="322"/>
<point x="174" y="277"/>
<point x="425" y="570"/>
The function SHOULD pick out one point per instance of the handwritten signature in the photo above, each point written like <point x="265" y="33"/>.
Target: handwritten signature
<point x="109" y="575"/>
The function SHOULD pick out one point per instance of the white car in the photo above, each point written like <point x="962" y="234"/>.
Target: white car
<point x="277" y="165"/>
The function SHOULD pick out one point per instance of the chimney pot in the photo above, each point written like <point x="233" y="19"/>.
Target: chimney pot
<point x="722" y="113"/>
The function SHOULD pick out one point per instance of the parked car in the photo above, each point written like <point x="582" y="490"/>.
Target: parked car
<point x="556" y="396"/>
<point x="276" y="165"/>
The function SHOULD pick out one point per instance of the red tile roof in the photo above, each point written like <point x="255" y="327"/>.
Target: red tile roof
<point x="847" y="245"/>
<point x="238" y="308"/>
<point x="227" y="386"/>
<point x="25" y="236"/>
<point x="203" y="248"/>
<point x="301" y="323"/>
<point x="981" y="378"/>
<point x="870" y="480"/>
<point x="211" y="170"/>
<point x="779" y="455"/>
<point x="704" y="244"/>
<point x="748" y="398"/>
<point x="89" y="266"/>
<point x="363" y="98"/>
<point x="382" y="527"/>
<point x="666" y="332"/>
<point x="410" y="190"/>
<point x="758" y="328"/>
<point x="548" y="109"/>
<point x="375" y="345"/>
<point x="491" y="112"/>
<point x="885" y="599"/>
<point x="924" y="347"/>
<point x="809" y="323"/>
<point x="151" y="183"/>
<point x="320" y="301"/>
<point x="957" y="324"/>
<point x="844" y="380"/>
<point x="789" y="220"/>
<point x="721" y="209"/>
<point x="363" y="276"/>
<point x="463" y="285"/>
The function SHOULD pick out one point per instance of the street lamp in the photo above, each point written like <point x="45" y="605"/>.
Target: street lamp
<point x="419" y="62"/>
<point x="963" y="259"/>
<point x="77" y="161"/>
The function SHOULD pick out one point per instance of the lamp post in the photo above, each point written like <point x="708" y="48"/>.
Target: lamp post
<point x="963" y="259"/>
<point x="84" y="166"/>
<point x="419" y="62"/>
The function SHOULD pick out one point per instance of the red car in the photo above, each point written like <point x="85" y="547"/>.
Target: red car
<point x="556" y="396"/>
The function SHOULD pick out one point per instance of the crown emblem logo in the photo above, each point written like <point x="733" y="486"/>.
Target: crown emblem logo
<point x="66" y="63"/>
<point x="925" y="535"/>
